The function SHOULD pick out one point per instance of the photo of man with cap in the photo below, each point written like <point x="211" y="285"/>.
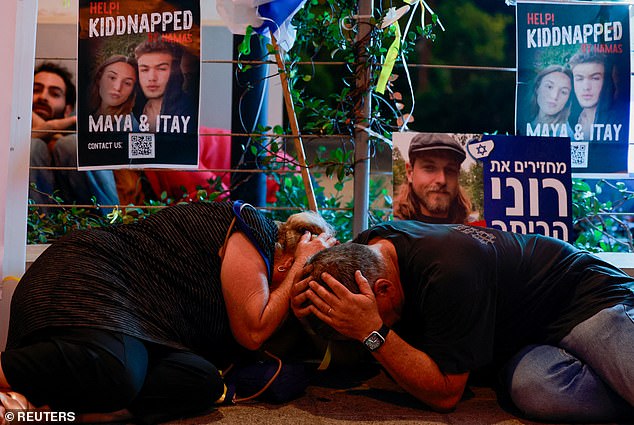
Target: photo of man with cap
<point x="432" y="193"/>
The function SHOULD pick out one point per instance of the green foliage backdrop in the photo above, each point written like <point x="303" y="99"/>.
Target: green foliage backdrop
<point x="454" y="99"/>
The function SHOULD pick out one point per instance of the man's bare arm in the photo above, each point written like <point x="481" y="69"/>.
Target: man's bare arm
<point x="356" y="316"/>
<point x="45" y="130"/>
<point x="418" y="374"/>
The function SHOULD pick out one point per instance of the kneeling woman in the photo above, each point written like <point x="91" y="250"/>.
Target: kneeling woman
<point x="133" y="320"/>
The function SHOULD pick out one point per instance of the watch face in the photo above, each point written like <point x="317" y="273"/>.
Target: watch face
<point x="374" y="341"/>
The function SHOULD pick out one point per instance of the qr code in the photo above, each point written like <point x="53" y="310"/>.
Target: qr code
<point x="579" y="154"/>
<point x="140" y="145"/>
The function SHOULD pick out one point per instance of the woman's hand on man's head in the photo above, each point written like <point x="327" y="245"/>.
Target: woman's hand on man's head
<point x="299" y="297"/>
<point x="310" y="244"/>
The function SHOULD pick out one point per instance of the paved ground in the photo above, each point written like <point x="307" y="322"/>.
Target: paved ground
<point x="355" y="391"/>
<point x="334" y="400"/>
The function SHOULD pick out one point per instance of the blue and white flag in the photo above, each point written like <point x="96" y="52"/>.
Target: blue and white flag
<point x="265" y="17"/>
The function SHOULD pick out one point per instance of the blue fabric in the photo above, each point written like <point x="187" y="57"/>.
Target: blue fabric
<point x="81" y="186"/>
<point x="244" y="227"/>
<point x="70" y="185"/>
<point x="277" y="11"/>
<point x="247" y="379"/>
<point x="44" y="180"/>
<point x="588" y="377"/>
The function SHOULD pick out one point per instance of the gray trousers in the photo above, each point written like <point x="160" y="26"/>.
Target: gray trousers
<point x="78" y="187"/>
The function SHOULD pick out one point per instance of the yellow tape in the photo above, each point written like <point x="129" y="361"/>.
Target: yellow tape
<point x="390" y="59"/>
<point x="221" y="399"/>
<point x="14" y="278"/>
<point x="325" y="362"/>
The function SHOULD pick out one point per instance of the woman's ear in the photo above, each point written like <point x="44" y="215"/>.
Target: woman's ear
<point x="287" y="261"/>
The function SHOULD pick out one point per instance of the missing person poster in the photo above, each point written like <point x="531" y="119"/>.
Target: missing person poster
<point x="527" y="184"/>
<point x="573" y="80"/>
<point x="513" y="183"/>
<point x="138" y="80"/>
<point x="435" y="180"/>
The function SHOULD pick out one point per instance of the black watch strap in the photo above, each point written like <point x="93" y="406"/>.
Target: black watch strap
<point x="376" y="338"/>
<point x="383" y="330"/>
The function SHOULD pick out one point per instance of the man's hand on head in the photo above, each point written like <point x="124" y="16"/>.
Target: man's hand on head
<point x="352" y="315"/>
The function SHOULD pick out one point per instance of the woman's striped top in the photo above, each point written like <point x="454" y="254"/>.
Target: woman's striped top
<point x="158" y="280"/>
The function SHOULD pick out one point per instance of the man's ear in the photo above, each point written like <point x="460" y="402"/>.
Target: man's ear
<point x="383" y="287"/>
<point x="68" y="109"/>
<point x="389" y="300"/>
<point x="408" y="171"/>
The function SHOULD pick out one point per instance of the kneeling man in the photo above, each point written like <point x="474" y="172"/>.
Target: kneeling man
<point x="434" y="303"/>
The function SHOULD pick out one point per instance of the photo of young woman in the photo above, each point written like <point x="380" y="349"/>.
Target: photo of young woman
<point x="549" y="104"/>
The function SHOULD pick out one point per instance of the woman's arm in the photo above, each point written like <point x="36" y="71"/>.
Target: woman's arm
<point x="255" y="309"/>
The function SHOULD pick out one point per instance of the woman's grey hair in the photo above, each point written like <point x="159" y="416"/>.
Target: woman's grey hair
<point x="290" y="231"/>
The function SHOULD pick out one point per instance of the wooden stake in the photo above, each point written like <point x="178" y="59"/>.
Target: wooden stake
<point x="292" y="118"/>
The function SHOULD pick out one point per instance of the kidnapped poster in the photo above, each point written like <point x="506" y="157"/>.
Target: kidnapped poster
<point x="138" y="80"/>
<point x="573" y="80"/>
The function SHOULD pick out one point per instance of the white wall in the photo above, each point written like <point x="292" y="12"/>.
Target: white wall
<point x="17" y="49"/>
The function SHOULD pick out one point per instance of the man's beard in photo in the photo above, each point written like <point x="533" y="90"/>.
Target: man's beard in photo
<point x="435" y="205"/>
<point x="46" y="112"/>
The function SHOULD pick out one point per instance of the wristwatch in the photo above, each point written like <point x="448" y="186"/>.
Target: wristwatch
<point x="376" y="339"/>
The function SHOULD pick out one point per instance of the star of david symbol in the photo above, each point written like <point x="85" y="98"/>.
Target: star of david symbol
<point x="481" y="149"/>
